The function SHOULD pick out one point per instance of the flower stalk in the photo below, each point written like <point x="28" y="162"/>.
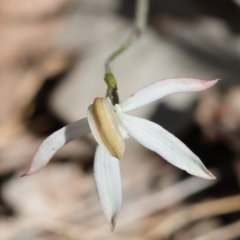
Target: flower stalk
<point x="141" y="13"/>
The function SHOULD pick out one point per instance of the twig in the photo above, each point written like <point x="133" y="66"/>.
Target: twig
<point x="231" y="231"/>
<point x="38" y="224"/>
<point x="195" y="212"/>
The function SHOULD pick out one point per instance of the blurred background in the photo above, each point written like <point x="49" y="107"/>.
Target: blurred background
<point x="51" y="68"/>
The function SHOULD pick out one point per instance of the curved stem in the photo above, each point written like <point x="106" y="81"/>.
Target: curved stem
<point x="140" y="24"/>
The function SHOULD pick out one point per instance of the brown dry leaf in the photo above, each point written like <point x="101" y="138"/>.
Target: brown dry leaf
<point x="28" y="58"/>
<point x="28" y="9"/>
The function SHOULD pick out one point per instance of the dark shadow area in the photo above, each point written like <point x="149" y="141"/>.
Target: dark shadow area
<point x="228" y="11"/>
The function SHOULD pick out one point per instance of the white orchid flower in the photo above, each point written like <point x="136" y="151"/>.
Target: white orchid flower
<point x="110" y="125"/>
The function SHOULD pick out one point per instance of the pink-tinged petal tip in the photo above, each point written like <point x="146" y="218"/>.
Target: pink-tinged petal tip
<point x="209" y="83"/>
<point x="29" y="172"/>
<point x="54" y="142"/>
<point x="163" y="88"/>
<point x="26" y="174"/>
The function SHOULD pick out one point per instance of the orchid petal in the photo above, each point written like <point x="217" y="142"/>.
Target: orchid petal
<point x="162" y="88"/>
<point x="109" y="185"/>
<point x="55" y="141"/>
<point x="157" y="139"/>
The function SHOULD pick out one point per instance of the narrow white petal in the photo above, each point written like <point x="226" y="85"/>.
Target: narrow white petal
<point x="107" y="177"/>
<point x="159" y="140"/>
<point x="55" y="141"/>
<point x="162" y="88"/>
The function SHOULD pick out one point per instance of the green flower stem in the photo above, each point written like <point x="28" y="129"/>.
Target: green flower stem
<point x="140" y="24"/>
<point x="141" y="15"/>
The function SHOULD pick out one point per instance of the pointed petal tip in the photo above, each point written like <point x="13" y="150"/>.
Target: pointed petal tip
<point x="28" y="173"/>
<point x="206" y="174"/>
<point x="33" y="168"/>
<point x="112" y="226"/>
<point x="211" y="176"/>
<point x="210" y="83"/>
<point x="113" y="222"/>
<point x="24" y="175"/>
